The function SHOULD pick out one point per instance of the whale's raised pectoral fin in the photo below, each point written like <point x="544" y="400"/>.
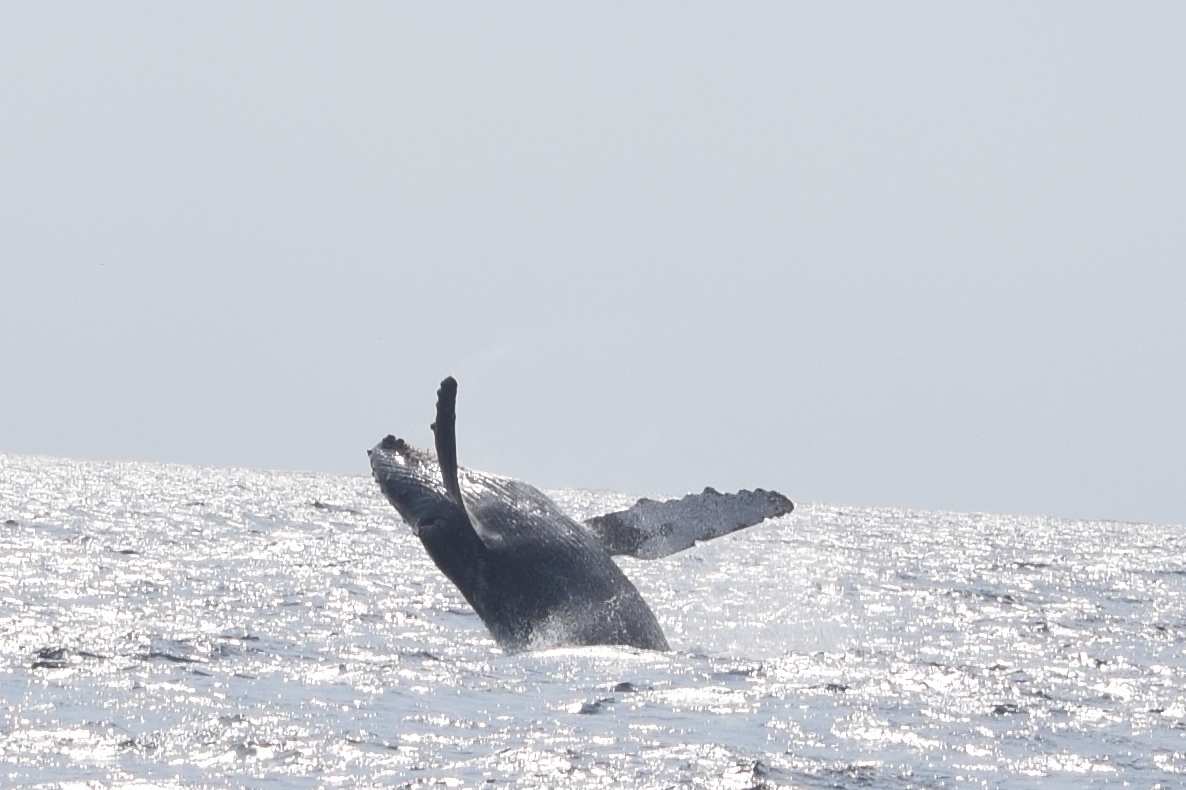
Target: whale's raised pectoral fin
<point x="505" y="514"/>
<point x="444" y="429"/>
<point x="651" y="529"/>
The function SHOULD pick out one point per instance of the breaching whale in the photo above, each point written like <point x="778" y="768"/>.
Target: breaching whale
<point x="534" y="576"/>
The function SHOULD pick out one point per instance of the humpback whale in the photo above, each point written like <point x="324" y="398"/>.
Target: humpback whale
<point x="534" y="576"/>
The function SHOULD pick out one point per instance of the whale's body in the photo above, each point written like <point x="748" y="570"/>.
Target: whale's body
<point x="534" y="576"/>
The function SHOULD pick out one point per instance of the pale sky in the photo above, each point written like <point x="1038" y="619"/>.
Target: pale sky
<point x="928" y="255"/>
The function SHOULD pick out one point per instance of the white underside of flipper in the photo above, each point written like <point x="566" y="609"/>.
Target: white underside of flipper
<point x="651" y="529"/>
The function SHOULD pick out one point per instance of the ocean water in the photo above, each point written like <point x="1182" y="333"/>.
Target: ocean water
<point x="178" y="627"/>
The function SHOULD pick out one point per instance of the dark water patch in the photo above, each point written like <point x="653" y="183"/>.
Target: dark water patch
<point x="52" y="658"/>
<point x="244" y="637"/>
<point x="762" y="775"/>
<point x="237" y="648"/>
<point x="311" y="600"/>
<point x="741" y="673"/>
<point x="61" y="657"/>
<point x="319" y="505"/>
<point x="1008" y="599"/>
<point x="152" y="655"/>
<point x="141" y="743"/>
<point x="1038" y="627"/>
<point x="1123" y="597"/>
<point x="225" y="651"/>
<point x="596" y="706"/>
<point x="174" y="651"/>
<point x="424" y="655"/>
<point x="842" y="776"/>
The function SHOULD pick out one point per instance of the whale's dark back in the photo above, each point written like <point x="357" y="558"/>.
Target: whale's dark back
<point x="535" y="577"/>
<point x="550" y="581"/>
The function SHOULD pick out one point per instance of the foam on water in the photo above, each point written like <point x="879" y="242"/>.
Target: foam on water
<point x="167" y="626"/>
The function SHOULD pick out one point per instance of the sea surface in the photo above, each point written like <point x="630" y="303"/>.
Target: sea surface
<point x="167" y="626"/>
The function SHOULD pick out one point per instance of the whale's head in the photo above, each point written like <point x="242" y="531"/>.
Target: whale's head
<point x="412" y="482"/>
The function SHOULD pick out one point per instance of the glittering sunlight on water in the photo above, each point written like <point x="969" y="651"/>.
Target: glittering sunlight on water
<point x="168" y="626"/>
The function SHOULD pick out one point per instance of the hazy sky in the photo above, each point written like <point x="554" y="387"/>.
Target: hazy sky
<point x="928" y="255"/>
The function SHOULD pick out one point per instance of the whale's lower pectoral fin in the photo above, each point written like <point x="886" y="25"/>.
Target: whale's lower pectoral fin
<point x="651" y="529"/>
